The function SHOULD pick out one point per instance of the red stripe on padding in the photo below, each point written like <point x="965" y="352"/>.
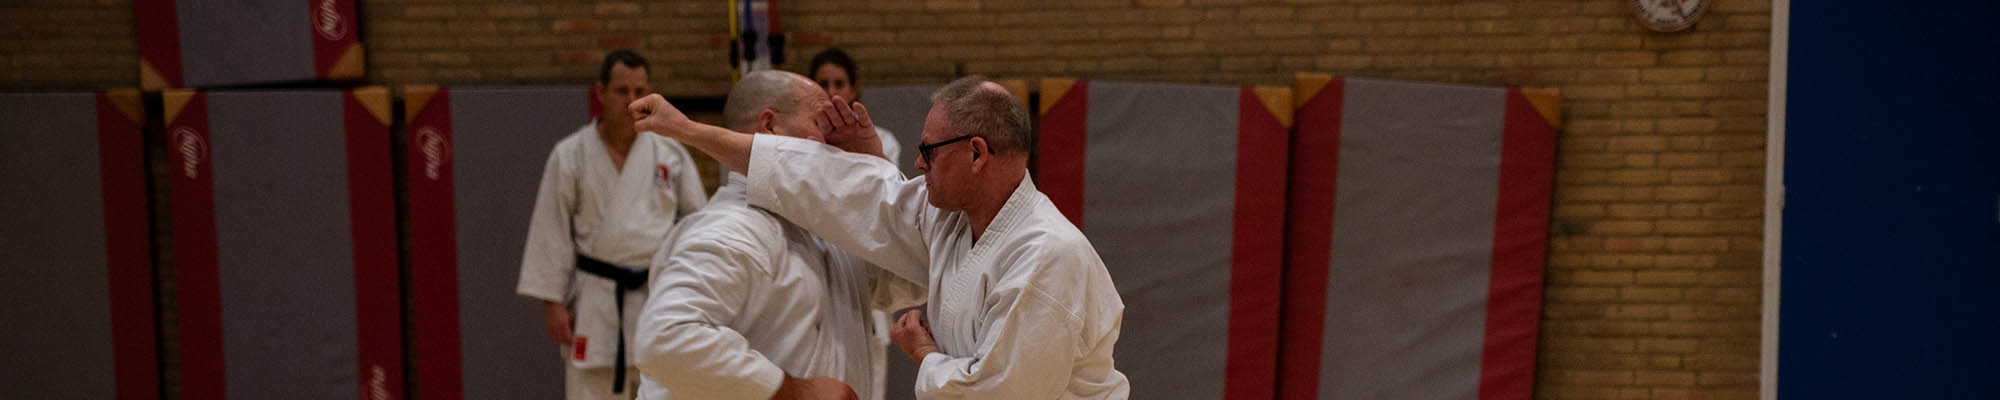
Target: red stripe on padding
<point x="1520" y="245"/>
<point x="372" y="216"/>
<point x="1256" y="260"/>
<point x="433" y="251"/>
<point x="1314" y="161"/>
<point x="197" y="275"/>
<point x="121" y="164"/>
<point x="159" y="38"/>
<point x="333" y="31"/>
<point x="1059" y="173"/>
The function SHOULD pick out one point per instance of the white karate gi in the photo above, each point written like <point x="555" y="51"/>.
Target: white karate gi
<point x="1028" y="312"/>
<point x="587" y="206"/>
<point x="879" y="348"/>
<point x="740" y="298"/>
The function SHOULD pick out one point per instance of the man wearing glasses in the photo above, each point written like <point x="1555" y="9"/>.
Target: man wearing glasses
<point x="1020" y="304"/>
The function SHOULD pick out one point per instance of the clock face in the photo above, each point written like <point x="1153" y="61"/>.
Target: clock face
<point x="1668" y="15"/>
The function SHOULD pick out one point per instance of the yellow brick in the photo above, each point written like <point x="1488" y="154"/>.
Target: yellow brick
<point x="1637" y="210"/>
<point x="1601" y="277"/>
<point x="1636" y="312"/>
<point x="1684" y="261"/>
<point x="1687" y="193"/>
<point x="951" y="5"/>
<point x="1670" y="346"/>
<point x="1637" y="144"/>
<point x="1651" y="378"/>
<point x="1633" y="244"/>
<point x="1627" y="58"/>
<point x="1639" y="176"/>
<point x="1621" y="227"/>
<point x="1387" y="12"/>
<point x="1622" y="261"/>
<point x="1723" y="378"/>
<point x="1697" y="245"/>
<point x="1649" y="295"/>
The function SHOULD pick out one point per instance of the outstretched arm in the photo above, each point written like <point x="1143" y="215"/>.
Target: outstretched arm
<point x="654" y="113"/>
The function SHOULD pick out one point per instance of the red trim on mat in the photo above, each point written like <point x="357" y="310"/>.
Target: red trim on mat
<point x="1256" y="260"/>
<point x="197" y="275"/>
<point x="121" y="165"/>
<point x="372" y="215"/>
<point x="1059" y="174"/>
<point x="333" y="30"/>
<point x="1309" y="239"/>
<point x="433" y="251"/>
<point x="160" y="38"/>
<point x="1520" y="245"/>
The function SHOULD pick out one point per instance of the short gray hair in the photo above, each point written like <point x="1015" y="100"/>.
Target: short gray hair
<point x="993" y="114"/>
<point x="757" y="91"/>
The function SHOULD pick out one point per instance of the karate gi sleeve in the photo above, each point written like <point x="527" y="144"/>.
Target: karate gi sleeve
<point x="888" y="292"/>
<point x="857" y="202"/>
<point x="1028" y="352"/>
<point x="683" y="340"/>
<point x="549" y="257"/>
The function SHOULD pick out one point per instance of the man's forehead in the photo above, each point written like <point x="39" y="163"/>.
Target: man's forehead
<point x="618" y="70"/>
<point x="814" y="96"/>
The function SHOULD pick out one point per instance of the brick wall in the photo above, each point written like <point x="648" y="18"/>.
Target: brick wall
<point x="67" y="44"/>
<point x="1654" y="270"/>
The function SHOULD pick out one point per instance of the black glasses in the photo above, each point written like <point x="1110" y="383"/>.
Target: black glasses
<point x="924" y="151"/>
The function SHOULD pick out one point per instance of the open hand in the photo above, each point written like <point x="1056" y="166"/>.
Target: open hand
<point x="556" y="320"/>
<point x="850" y="128"/>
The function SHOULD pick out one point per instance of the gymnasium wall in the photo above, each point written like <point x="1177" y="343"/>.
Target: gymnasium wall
<point x="1653" y="272"/>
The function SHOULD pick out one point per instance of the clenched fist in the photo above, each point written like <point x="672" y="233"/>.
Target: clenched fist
<point x="654" y="114"/>
<point x="912" y="336"/>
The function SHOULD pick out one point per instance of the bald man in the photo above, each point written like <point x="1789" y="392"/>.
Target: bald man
<point x="1021" y="307"/>
<point x="747" y="305"/>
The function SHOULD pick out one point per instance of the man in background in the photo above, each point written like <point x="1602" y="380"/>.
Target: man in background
<point x="834" y="70"/>
<point x="608" y="196"/>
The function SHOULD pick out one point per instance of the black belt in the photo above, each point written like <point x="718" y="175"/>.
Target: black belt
<point x="627" y="280"/>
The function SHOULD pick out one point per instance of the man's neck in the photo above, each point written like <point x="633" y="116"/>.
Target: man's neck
<point x="616" y="138"/>
<point x="991" y="198"/>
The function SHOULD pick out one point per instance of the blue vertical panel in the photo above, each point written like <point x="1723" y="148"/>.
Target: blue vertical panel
<point x="1891" y="239"/>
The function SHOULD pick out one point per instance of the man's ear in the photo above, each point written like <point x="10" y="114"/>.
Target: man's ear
<point x="979" y="147"/>
<point x="766" y="120"/>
